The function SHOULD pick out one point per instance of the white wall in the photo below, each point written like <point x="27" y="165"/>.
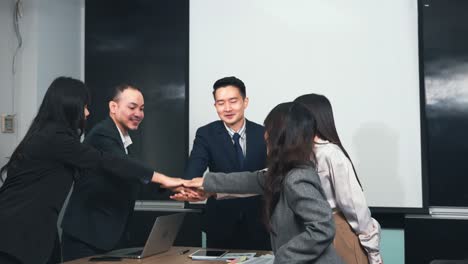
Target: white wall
<point x="52" y="32"/>
<point x="7" y="49"/>
<point x="61" y="41"/>
<point x="362" y="55"/>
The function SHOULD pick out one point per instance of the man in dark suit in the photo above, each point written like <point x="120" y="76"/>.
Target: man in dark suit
<point x="100" y="206"/>
<point x="232" y="144"/>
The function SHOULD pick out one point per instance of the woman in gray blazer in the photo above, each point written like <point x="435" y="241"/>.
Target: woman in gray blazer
<point x="295" y="210"/>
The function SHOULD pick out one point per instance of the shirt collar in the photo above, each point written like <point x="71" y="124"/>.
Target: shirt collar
<point x="321" y="141"/>
<point x="126" y="139"/>
<point x="241" y="131"/>
<point x="318" y="143"/>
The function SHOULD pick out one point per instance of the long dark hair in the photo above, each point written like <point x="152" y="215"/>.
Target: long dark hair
<point x="322" y="110"/>
<point x="63" y="104"/>
<point x="289" y="132"/>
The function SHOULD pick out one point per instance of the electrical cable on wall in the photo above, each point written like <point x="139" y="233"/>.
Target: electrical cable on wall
<point x="17" y="14"/>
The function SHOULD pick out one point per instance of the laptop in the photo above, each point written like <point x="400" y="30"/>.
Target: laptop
<point x="160" y="239"/>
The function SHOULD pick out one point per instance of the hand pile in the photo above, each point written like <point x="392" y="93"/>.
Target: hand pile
<point x="186" y="190"/>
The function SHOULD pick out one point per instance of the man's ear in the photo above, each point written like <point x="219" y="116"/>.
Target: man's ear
<point x="112" y="107"/>
<point x="246" y="102"/>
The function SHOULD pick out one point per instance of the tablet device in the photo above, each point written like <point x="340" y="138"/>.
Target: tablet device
<point x="204" y="254"/>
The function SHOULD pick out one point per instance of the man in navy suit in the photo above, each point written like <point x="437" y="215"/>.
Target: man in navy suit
<point x="231" y="144"/>
<point x="101" y="205"/>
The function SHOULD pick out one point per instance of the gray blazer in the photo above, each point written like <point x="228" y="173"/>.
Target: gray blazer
<point x="302" y="221"/>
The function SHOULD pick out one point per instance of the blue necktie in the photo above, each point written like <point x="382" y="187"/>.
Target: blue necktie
<point x="239" y="153"/>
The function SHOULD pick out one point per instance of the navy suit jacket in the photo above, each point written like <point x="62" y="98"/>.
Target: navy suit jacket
<point x="101" y="203"/>
<point x="213" y="149"/>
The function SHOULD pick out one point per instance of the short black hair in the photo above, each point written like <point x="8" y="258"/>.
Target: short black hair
<point x="231" y="80"/>
<point x="119" y="89"/>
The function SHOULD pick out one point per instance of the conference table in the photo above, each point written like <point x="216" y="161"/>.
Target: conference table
<point x="174" y="256"/>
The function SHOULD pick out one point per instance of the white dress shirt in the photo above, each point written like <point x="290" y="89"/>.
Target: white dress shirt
<point x="243" y="144"/>
<point x="344" y="193"/>
<point x="126" y="139"/>
<point x="242" y="139"/>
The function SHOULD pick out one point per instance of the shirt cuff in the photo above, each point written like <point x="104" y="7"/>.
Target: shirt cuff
<point x="375" y="258"/>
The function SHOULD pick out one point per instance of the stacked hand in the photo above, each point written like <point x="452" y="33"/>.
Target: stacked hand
<point x="193" y="191"/>
<point x="185" y="190"/>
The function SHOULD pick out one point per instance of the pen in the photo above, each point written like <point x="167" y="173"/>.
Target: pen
<point x="184" y="251"/>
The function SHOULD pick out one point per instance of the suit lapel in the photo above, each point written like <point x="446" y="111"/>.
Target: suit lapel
<point x="226" y="142"/>
<point x="248" y="144"/>
<point x="113" y="132"/>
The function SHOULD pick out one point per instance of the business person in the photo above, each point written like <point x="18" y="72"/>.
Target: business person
<point x="101" y="204"/>
<point x="231" y="144"/>
<point x="296" y="213"/>
<point x="357" y="233"/>
<point x="42" y="168"/>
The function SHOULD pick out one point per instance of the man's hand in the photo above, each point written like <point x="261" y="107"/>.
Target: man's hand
<point x="191" y="195"/>
<point x="186" y="191"/>
<point x="167" y="182"/>
<point x="194" y="183"/>
<point x="192" y="191"/>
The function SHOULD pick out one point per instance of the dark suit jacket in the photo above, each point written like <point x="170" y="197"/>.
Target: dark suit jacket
<point x="213" y="149"/>
<point x="101" y="203"/>
<point x="37" y="185"/>
<point x="302" y="220"/>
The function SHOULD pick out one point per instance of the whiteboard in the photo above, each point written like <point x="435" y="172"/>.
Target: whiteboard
<point x="362" y="55"/>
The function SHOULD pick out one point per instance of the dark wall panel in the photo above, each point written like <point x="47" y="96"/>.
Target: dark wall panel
<point x="144" y="43"/>
<point x="445" y="55"/>
<point x="428" y="239"/>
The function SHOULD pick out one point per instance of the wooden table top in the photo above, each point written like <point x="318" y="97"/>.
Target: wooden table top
<point x="173" y="256"/>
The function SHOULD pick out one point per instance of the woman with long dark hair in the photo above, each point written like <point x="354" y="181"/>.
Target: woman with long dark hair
<point x="357" y="236"/>
<point x="41" y="170"/>
<point x="295" y="210"/>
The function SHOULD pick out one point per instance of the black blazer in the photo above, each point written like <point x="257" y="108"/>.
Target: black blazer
<point x="37" y="185"/>
<point x="101" y="203"/>
<point x="213" y="149"/>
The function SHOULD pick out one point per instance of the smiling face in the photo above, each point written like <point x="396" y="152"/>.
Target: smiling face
<point x="127" y="110"/>
<point x="230" y="106"/>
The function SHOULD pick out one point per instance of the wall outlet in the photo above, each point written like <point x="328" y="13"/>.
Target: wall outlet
<point x="8" y="123"/>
